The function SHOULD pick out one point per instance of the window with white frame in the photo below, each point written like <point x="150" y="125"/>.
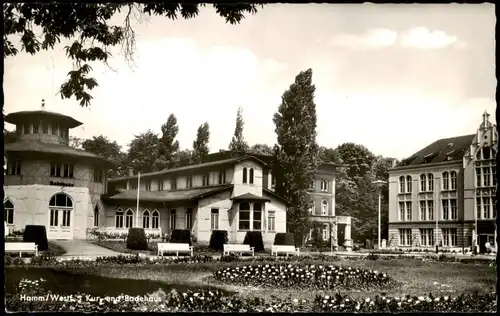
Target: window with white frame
<point x="427" y="237"/>
<point x="494" y="207"/>
<point x="486" y="207"/>
<point x="244" y="216"/>
<point x="145" y="219"/>
<point x="8" y="212"/>
<point x="408" y="211"/>
<point x="61" y="170"/>
<point x="129" y="218"/>
<point x="430" y="179"/>
<point x="446" y="180"/>
<point x="155" y="220"/>
<point x="446" y="209"/>
<point x="173" y="184"/>
<point x="173" y="219"/>
<point x="222" y="177"/>
<point x="402" y="184"/>
<point x="405" y="237"/>
<point x="206" y="180"/>
<point x="245" y="175"/>
<point x="408" y="184"/>
<point x="214" y="219"/>
<point x="119" y="218"/>
<point x="478" y="178"/>
<point x="148" y="185"/>
<point x="250" y="175"/>
<point x="189" y="182"/>
<point x="453" y="209"/>
<point x="478" y="208"/>
<point x="449" y="237"/>
<point x="324" y="186"/>
<point x="257" y="216"/>
<point x="326" y="231"/>
<point x="430" y="210"/>
<point x="486" y="176"/>
<point x="160" y="184"/>
<point x="98" y="175"/>
<point x="423" y="210"/>
<point x="14" y="168"/>
<point x="189" y="218"/>
<point x="324" y="207"/>
<point x="271" y="221"/>
<point x="96" y="216"/>
<point x="401" y="211"/>
<point x="423" y="183"/>
<point x="453" y="178"/>
<point x="494" y="176"/>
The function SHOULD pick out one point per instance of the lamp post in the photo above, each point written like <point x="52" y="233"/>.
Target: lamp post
<point x="379" y="184"/>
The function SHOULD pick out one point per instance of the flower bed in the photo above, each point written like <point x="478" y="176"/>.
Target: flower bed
<point x="214" y="300"/>
<point x="302" y="276"/>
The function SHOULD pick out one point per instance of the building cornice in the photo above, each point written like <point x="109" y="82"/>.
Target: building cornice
<point x="427" y="166"/>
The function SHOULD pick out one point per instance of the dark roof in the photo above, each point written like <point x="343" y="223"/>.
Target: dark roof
<point x="190" y="167"/>
<point x="169" y="196"/>
<point x="249" y="196"/>
<point x="50" y="148"/>
<point x="21" y="117"/>
<point x="446" y="149"/>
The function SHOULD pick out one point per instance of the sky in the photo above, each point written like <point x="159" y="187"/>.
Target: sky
<point x="393" y="78"/>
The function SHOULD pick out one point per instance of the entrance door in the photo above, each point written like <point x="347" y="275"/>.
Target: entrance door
<point x="482" y="243"/>
<point x="341" y="234"/>
<point x="60" y="217"/>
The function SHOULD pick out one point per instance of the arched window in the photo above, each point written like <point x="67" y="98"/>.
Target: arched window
<point x="430" y="179"/>
<point x="446" y="180"/>
<point x="326" y="231"/>
<point x="244" y="175"/>
<point x="155" y="223"/>
<point x="251" y="176"/>
<point x="96" y="216"/>
<point x="402" y="184"/>
<point x="324" y="207"/>
<point x="173" y="219"/>
<point x="145" y="219"/>
<point x="8" y="212"/>
<point x="486" y="153"/>
<point x="244" y="216"/>
<point x="129" y="218"/>
<point x="453" y="178"/>
<point x="408" y="184"/>
<point x="257" y="216"/>
<point x="60" y="202"/>
<point x="423" y="183"/>
<point x="119" y="218"/>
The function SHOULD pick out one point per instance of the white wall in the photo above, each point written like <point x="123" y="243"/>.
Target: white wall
<point x="242" y="188"/>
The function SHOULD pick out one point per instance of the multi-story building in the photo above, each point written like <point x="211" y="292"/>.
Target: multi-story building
<point x="445" y="194"/>
<point x="49" y="183"/>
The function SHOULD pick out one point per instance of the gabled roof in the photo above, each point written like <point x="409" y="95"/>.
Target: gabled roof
<point x="21" y="117"/>
<point x="51" y="148"/>
<point x="190" y="167"/>
<point x="169" y="196"/>
<point x="249" y="196"/>
<point x="446" y="149"/>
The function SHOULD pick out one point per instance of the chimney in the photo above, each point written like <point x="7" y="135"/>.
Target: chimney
<point x="130" y="171"/>
<point x="393" y="162"/>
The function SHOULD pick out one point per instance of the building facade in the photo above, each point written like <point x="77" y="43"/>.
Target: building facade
<point x="49" y="183"/>
<point x="445" y="194"/>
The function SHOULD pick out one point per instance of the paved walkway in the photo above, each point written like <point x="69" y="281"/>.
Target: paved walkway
<point x="80" y="248"/>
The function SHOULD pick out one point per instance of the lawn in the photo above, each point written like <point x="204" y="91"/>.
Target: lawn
<point x="413" y="277"/>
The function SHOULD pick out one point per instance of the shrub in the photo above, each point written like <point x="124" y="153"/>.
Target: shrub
<point x="136" y="239"/>
<point x="372" y="256"/>
<point x="284" y="239"/>
<point x="181" y="236"/>
<point x="218" y="239"/>
<point x="38" y="235"/>
<point x="254" y="239"/>
<point x="317" y="237"/>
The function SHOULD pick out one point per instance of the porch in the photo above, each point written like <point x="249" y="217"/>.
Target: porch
<point x="336" y="229"/>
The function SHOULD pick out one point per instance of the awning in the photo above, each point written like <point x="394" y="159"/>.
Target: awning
<point x="250" y="197"/>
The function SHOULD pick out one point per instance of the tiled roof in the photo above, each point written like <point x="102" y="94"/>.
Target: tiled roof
<point x="50" y="148"/>
<point x="169" y="196"/>
<point x="20" y="117"/>
<point x="190" y="167"/>
<point x="250" y="196"/>
<point x="446" y="149"/>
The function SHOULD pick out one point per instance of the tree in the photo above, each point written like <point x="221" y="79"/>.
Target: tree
<point x="200" y="145"/>
<point x="9" y="136"/>
<point x="168" y="146"/>
<point x="358" y="158"/>
<point x="238" y="143"/>
<point x="89" y="25"/>
<point x="184" y="157"/>
<point x="75" y="142"/>
<point x="142" y="155"/>
<point x="296" y="151"/>
<point x="107" y="149"/>
<point x="261" y="149"/>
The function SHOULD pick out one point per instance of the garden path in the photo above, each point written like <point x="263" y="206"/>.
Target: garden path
<point x="84" y="248"/>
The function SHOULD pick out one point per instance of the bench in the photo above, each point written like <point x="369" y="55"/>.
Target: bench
<point x="29" y="247"/>
<point x="237" y="248"/>
<point x="174" y="247"/>
<point x="285" y="249"/>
